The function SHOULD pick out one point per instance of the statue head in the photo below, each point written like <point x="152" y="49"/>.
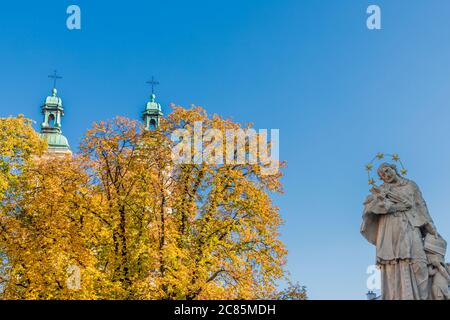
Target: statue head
<point x="388" y="172"/>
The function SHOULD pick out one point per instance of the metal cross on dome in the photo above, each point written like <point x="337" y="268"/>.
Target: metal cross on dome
<point x="153" y="83"/>
<point x="55" y="77"/>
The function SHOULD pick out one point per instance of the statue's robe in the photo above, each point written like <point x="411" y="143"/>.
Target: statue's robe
<point x="398" y="238"/>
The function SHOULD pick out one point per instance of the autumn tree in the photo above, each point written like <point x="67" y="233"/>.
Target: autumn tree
<point x="139" y="225"/>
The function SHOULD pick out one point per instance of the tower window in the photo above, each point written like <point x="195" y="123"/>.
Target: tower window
<point x="51" y="119"/>
<point x="152" y="124"/>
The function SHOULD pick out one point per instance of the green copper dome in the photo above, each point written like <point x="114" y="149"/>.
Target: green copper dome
<point x="152" y="105"/>
<point x="53" y="100"/>
<point x="55" y="141"/>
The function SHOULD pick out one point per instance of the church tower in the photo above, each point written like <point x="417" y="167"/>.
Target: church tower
<point x="53" y="111"/>
<point x="152" y="113"/>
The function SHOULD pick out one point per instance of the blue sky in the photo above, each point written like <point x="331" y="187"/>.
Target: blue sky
<point x="338" y="92"/>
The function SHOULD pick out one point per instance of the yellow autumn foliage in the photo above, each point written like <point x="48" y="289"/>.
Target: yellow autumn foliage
<point x="131" y="223"/>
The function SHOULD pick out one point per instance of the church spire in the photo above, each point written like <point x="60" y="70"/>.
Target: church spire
<point x="53" y="111"/>
<point x="152" y="113"/>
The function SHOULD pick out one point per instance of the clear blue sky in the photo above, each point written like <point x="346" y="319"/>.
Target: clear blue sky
<point x="338" y="92"/>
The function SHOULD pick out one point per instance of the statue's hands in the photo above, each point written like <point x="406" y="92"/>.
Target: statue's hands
<point x="399" y="207"/>
<point x="375" y="190"/>
<point x="368" y="200"/>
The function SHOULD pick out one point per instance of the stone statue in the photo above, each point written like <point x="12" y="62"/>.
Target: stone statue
<point x="409" y="251"/>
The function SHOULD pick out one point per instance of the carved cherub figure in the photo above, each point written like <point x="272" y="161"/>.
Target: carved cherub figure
<point x="438" y="270"/>
<point x="440" y="277"/>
